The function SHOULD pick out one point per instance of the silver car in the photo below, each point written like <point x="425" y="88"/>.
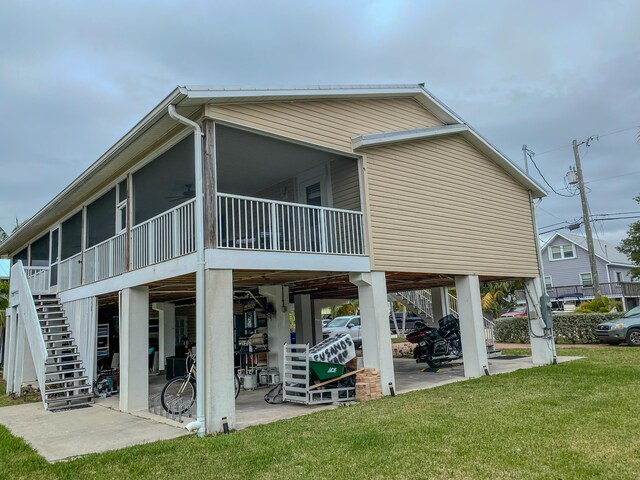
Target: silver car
<point x="623" y="329"/>
<point x="349" y="324"/>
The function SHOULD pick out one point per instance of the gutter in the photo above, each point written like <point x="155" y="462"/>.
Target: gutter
<point x="200" y="263"/>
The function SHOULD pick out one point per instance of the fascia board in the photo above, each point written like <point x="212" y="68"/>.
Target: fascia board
<point x="384" y="138"/>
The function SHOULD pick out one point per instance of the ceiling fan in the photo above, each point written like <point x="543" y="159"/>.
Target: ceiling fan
<point x="186" y="195"/>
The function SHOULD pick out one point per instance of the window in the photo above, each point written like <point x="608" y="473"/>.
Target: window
<point x="547" y="282"/>
<point x="586" y="280"/>
<point x="619" y="276"/>
<point x="562" y="252"/>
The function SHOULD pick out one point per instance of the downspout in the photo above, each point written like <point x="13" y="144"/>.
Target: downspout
<point x="200" y="263"/>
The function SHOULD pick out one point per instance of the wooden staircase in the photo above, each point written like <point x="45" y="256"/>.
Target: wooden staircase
<point x="66" y="382"/>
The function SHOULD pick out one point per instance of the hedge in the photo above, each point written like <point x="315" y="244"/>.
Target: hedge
<point x="568" y="327"/>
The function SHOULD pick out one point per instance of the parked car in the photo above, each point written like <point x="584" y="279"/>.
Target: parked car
<point x="349" y="324"/>
<point x="623" y="329"/>
<point x="410" y="322"/>
<point x="517" y="311"/>
<point x="326" y="320"/>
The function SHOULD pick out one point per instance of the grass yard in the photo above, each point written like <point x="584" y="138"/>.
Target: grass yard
<point x="572" y="421"/>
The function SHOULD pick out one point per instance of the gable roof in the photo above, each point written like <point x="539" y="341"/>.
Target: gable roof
<point x="604" y="250"/>
<point x="188" y="101"/>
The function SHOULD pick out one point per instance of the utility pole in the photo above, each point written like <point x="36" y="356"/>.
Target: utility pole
<point x="587" y="222"/>
<point x="526" y="160"/>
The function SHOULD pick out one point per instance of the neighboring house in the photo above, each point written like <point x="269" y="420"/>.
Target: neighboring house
<point x="567" y="272"/>
<point x="222" y="201"/>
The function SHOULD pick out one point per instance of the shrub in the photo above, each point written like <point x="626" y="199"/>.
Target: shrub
<point x="599" y="305"/>
<point x="568" y="327"/>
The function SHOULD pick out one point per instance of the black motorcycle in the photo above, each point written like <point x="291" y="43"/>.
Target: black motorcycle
<point x="437" y="345"/>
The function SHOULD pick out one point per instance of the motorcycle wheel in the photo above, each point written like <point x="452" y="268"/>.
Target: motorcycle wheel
<point x="433" y="363"/>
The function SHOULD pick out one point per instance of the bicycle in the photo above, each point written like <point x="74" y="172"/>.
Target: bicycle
<point x="179" y="394"/>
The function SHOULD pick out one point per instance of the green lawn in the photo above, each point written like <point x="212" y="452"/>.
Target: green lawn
<point x="577" y="420"/>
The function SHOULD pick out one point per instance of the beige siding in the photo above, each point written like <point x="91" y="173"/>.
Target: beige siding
<point x="460" y="212"/>
<point x="345" y="185"/>
<point x="329" y="123"/>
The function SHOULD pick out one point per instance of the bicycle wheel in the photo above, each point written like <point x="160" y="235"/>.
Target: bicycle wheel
<point x="178" y="395"/>
<point x="236" y="384"/>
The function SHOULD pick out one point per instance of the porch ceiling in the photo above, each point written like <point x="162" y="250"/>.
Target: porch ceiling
<point x="323" y="285"/>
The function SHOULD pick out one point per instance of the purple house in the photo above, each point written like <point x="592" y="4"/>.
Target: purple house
<point x="565" y="260"/>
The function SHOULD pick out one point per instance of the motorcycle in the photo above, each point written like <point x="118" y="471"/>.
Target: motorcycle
<point x="437" y="345"/>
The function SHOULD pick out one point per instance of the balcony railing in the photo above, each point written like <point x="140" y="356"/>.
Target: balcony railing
<point x="163" y="237"/>
<point x="244" y="223"/>
<point x="69" y="272"/>
<point x="613" y="289"/>
<point x="247" y="223"/>
<point x="38" y="279"/>
<point x="105" y="259"/>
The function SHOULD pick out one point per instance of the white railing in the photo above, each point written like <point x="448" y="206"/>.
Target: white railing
<point x="420" y="300"/>
<point x="166" y="236"/>
<point x="106" y="259"/>
<point x="489" y="337"/>
<point x="248" y="223"/>
<point x="31" y="323"/>
<point x="69" y="272"/>
<point x="38" y="279"/>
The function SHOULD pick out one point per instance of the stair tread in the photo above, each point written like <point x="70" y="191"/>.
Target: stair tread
<point x="66" y="372"/>
<point x="63" y="355"/>
<point x="54" y="381"/>
<point x="54" y="391"/>
<point x="69" y="398"/>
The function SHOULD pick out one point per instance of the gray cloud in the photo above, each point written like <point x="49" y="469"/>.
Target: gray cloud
<point x="75" y="76"/>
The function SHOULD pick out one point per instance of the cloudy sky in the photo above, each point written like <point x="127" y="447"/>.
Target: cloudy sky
<point x="75" y="76"/>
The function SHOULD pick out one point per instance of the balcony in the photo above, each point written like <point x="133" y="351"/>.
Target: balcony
<point x="244" y="223"/>
<point x="613" y="289"/>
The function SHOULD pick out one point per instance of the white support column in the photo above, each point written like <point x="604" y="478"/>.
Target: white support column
<point x="317" y="321"/>
<point x="166" y="331"/>
<point x="304" y="319"/>
<point x="439" y="303"/>
<point x="19" y="354"/>
<point x="474" y="348"/>
<point x="7" y="359"/>
<point x="134" y="349"/>
<point x="543" y="349"/>
<point x="374" y="329"/>
<point x="216" y="349"/>
<point x="10" y="366"/>
<point x="278" y="328"/>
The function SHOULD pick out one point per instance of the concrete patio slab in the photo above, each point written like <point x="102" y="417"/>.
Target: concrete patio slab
<point x="68" y="434"/>
<point x="410" y="375"/>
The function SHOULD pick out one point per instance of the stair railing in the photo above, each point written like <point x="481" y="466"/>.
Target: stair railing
<point x="28" y="316"/>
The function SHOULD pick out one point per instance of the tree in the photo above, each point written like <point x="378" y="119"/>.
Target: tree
<point x="3" y="235"/>
<point x="4" y="300"/>
<point x="630" y="246"/>
<point x="499" y="297"/>
<point x="600" y="305"/>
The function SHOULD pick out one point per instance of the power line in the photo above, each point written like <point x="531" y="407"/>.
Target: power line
<point x="545" y="180"/>
<point x="595" y="219"/>
<point x="603" y="135"/>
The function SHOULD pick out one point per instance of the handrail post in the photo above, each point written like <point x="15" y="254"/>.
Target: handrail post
<point x="323" y="230"/>
<point x="275" y="243"/>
